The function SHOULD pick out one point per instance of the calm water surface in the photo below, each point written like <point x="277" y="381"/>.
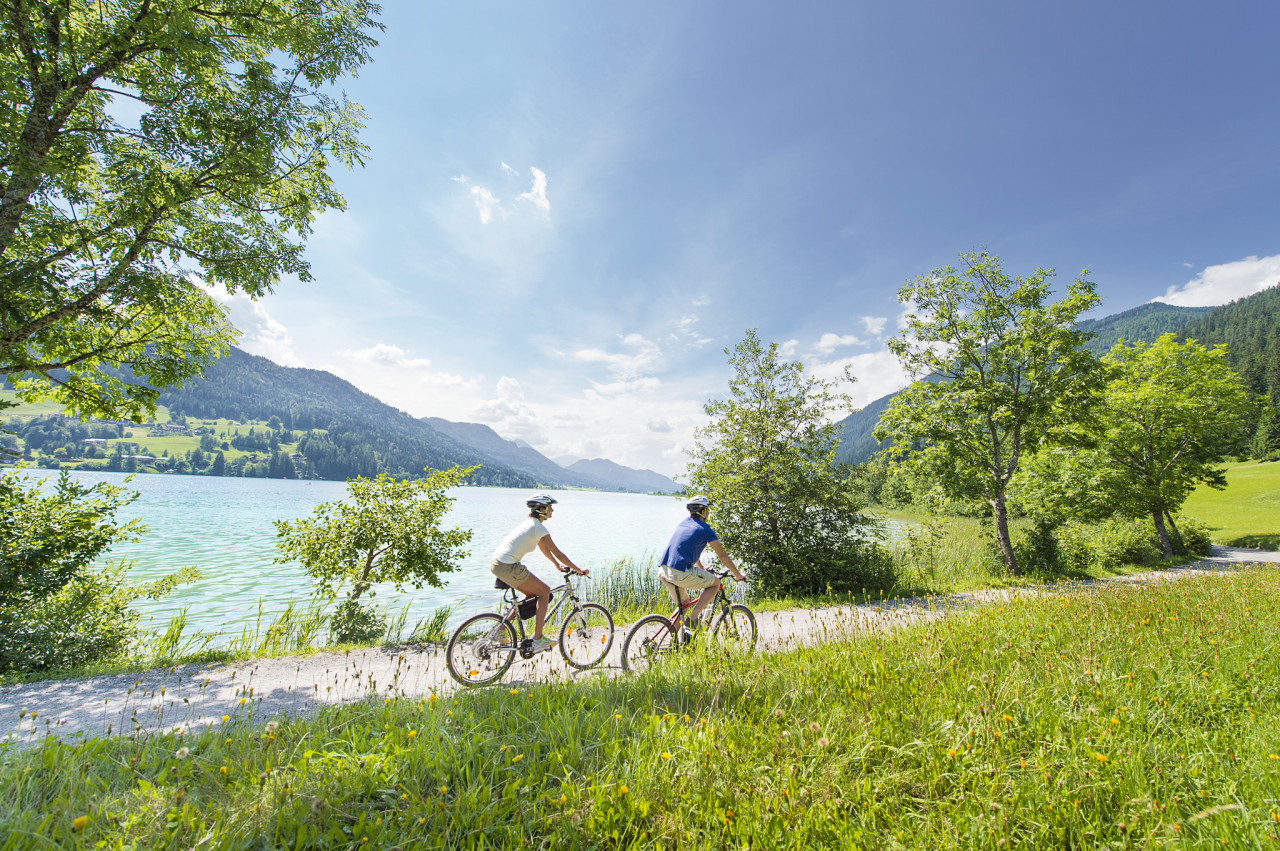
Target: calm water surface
<point x="224" y="526"/>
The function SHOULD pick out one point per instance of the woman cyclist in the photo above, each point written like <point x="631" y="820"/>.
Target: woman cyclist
<point x="521" y="541"/>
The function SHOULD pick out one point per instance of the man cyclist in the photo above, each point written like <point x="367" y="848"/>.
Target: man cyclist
<point x="682" y="568"/>
<point x="521" y="541"/>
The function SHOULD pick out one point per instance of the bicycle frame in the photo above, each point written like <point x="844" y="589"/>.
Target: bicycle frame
<point x="510" y="609"/>
<point x="721" y="602"/>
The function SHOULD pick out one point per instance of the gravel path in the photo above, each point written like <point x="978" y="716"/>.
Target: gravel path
<point x="197" y="696"/>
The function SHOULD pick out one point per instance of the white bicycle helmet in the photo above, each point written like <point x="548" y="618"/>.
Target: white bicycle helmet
<point x="540" y="500"/>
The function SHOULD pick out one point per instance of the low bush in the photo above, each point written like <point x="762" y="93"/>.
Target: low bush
<point x="56" y="610"/>
<point x="1195" y="536"/>
<point x="1106" y="546"/>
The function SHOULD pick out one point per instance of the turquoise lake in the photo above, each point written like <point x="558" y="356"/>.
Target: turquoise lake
<point x="225" y="527"/>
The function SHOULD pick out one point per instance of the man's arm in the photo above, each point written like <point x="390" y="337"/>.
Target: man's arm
<point x="718" y="549"/>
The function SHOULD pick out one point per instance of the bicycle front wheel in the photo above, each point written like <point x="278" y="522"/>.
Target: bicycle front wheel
<point x="586" y="635"/>
<point x="481" y="649"/>
<point x="648" y="639"/>
<point x="734" y="629"/>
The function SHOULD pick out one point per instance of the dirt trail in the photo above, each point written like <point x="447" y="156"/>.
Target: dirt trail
<point x="197" y="696"/>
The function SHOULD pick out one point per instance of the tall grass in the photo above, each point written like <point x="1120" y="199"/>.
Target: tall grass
<point x="1107" y="718"/>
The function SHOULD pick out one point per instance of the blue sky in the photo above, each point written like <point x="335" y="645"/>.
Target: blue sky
<point x="571" y="209"/>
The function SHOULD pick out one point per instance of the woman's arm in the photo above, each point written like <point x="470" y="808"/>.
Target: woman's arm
<point x="557" y="556"/>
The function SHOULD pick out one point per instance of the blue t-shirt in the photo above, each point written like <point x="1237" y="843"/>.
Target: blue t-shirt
<point x="687" y="543"/>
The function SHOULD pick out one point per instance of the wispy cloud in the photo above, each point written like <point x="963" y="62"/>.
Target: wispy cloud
<point x="537" y="196"/>
<point x="486" y="203"/>
<point x="1225" y="282"/>
<point x="626" y="365"/>
<point x="260" y="333"/>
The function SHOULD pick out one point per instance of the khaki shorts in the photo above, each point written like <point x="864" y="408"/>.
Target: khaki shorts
<point x="693" y="579"/>
<point x="512" y="574"/>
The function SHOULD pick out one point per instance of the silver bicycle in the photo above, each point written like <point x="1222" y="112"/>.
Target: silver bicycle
<point x="483" y="647"/>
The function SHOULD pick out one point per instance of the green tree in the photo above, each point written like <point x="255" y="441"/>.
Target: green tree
<point x="767" y="460"/>
<point x="999" y="373"/>
<point x="108" y="223"/>
<point x="56" y="611"/>
<point x="1169" y="414"/>
<point x="388" y="531"/>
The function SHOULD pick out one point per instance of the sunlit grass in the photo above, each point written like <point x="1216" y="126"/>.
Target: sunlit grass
<point x="1247" y="513"/>
<point x="1114" y="717"/>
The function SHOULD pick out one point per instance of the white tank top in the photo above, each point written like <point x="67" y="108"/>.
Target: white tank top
<point x="520" y="541"/>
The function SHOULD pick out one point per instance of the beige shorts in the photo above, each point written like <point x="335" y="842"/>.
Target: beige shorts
<point x="512" y="574"/>
<point x="693" y="579"/>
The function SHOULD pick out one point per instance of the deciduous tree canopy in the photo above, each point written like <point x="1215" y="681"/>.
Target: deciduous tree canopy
<point x="150" y="146"/>
<point x="1005" y="371"/>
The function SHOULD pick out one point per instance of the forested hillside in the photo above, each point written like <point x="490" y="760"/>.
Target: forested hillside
<point x="1250" y="328"/>
<point x="1144" y="322"/>
<point x="348" y="432"/>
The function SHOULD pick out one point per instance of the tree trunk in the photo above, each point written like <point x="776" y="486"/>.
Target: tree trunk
<point x="1176" y="537"/>
<point x="1002" y="535"/>
<point x="1166" y="547"/>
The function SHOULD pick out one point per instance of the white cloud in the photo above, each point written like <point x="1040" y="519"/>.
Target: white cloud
<point x="829" y="342"/>
<point x="877" y="373"/>
<point x="628" y="386"/>
<point x="460" y="178"/>
<point x="788" y="349"/>
<point x="1226" y="282"/>
<point x="486" y="203"/>
<point x="687" y="331"/>
<point x="508" y="169"/>
<point x="260" y="333"/>
<point x="405" y="369"/>
<point x="538" y="194"/>
<point x="626" y="366"/>
<point x="874" y="324"/>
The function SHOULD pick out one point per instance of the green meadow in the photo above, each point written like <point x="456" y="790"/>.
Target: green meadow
<point x="1105" y="717"/>
<point x="1247" y="513"/>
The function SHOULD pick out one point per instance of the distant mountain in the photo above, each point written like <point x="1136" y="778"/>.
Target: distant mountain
<point x="524" y="458"/>
<point x="1145" y="322"/>
<point x="348" y="432"/>
<point x="518" y="455"/>
<point x="567" y="460"/>
<point x="856" y="442"/>
<point x="625" y="478"/>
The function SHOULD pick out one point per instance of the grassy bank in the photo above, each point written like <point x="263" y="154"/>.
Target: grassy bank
<point x="1247" y="513"/>
<point x="1141" y="718"/>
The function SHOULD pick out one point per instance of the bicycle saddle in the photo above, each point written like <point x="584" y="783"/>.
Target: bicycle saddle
<point x="500" y="585"/>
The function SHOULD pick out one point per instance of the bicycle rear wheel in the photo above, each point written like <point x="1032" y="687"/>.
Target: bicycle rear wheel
<point x="481" y="649"/>
<point x="586" y="635"/>
<point x="734" y="629"/>
<point x="648" y="639"/>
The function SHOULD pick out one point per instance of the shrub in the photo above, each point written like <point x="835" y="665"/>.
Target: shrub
<point x="353" y="623"/>
<point x="56" y="611"/>
<point x="1106" y="545"/>
<point x="1195" y="536"/>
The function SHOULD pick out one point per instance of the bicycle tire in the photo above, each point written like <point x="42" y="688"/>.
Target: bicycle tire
<point x="481" y="649"/>
<point x="648" y="639"/>
<point x="734" y="629"/>
<point x="586" y="636"/>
